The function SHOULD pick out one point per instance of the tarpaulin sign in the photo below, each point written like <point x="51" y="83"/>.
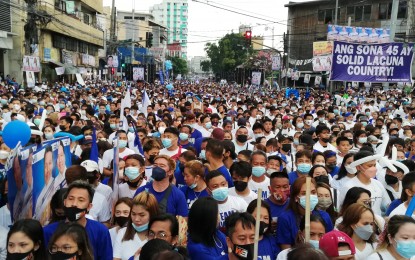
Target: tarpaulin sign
<point x="387" y="62"/>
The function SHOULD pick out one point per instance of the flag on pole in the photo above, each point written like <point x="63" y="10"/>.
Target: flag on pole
<point x="146" y="103"/>
<point x="137" y="143"/>
<point x="161" y="77"/>
<point x="125" y="102"/>
<point x="94" y="148"/>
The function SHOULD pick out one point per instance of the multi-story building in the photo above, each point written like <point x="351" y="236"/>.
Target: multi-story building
<point x="308" y="22"/>
<point x="194" y="65"/>
<point x="66" y="35"/>
<point x="174" y="15"/>
<point x="6" y="41"/>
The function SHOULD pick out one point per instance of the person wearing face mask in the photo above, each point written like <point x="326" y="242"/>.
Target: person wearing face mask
<point x="279" y="190"/>
<point x="170" y="198"/>
<point x="134" y="176"/>
<point x="408" y="192"/>
<point x="323" y="144"/>
<point x="358" y="222"/>
<point x="195" y="185"/>
<point x="259" y="179"/>
<point x="151" y="149"/>
<point x="218" y="189"/>
<point x="288" y="221"/>
<point x="345" y="172"/>
<point x="267" y="248"/>
<point x="170" y="139"/>
<point x="184" y="136"/>
<point x="241" y="175"/>
<point x="133" y="236"/>
<point x="48" y="132"/>
<point x="241" y="140"/>
<point x="77" y="203"/>
<point x="25" y="240"/>
<point x="70" y="242"/>
<point x="365" y="166"/>
<point x="349" y="123"/>
<point x="65" y="123"/>
<point x="325" y="200"/>
<point x="321" y="119"/>
<point x="120" y="216"/>
<point x="94" y="178"/>
<point x="123" y="152"/>
<point x="331" y="163"/>
<point x="319" y="173"/>
<point x="399" y="242"/>
<point x="317" y="231"/>
<point x="205" y="127"/>
<point x="214" y="155"/>
<point x="393" y="180"/>
<point x="303" y="165"/>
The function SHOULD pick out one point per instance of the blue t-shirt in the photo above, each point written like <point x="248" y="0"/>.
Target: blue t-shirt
<point x="394" y="204"/>
<point x="195" y="135"/>
<point x="288" y="225"/>
<point x="191" y="195"/>
<point x="176" y="202"/>
<point x="268" y="248"/>
<point x="203" y="252"/>
<point x="335" y="171"/>
<point x="407" y="156"/>
<point x="98" y="235"/>
<point x="178" y="175"/>
<point x="276" y="210"/>
<point x="186" y="146"/>
<point x="227" y="175"/>
<point x="292" y="176"/>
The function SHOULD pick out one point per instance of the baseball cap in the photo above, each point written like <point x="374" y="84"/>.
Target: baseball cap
<point x="90" y="165"/>
<point x="329" y="243"/>
<point x="218" y="134"/>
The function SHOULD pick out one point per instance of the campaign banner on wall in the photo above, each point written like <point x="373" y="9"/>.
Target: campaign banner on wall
<point x="388" y="62"/>
<point x="256" y="78"/>
<point x="307" y="78"/>
<point x="30" y="79"/>
<point x="138" y="73"/>
<point x="276" y="62"/>
<point x="112" y="61"/>
<point x="322" y="52"/>
<point x="31" y="63"/>
<point x="355" y="34"/>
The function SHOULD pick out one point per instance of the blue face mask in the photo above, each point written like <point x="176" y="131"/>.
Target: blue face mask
<point x="183" y="136"/>
<point x="220" y="194"/>
<point x="167" y="143"/>
<point x="303" y="168"/>
<point x="193" y="186"/>
<point x="202" y="155"/>
<point x="208" y="125"/>
<point x="131" y="129"/>
<point x="140" y="228"/>
<point x="258" y="171"/>
<point x="113" y="126"/>
<point x="314" y="243"/>
<point x="122" y="144"/>
<point x="406" y="248"/>
<point x="158" y="174"/>
<point x="313" y="201"/>
<point x="132" y="173"/>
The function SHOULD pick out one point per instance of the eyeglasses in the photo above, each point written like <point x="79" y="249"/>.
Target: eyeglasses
<point x="160" y="235"/>
<point x="64" y="249"/>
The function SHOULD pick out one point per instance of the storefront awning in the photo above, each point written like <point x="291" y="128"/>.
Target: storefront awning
<point x="56" y="63"/>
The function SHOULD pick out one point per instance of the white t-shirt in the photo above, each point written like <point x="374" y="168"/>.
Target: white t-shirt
<point x="254" y="186"/>
<point x="283" y="254"/>
<point x="232" y="204"/>
<point x="318" y="147"/>
<point x="250" y="197"/>
<point x="126" y="249"/>
<point x="385" y="256"/>
<point x="369" y="249"/>
<point x="125" y="191"/>
<point x="3" y="242"/>
<point x="109" y="156"/>
<point x="246" y="146"/>
<point x="400" y="210"/>
<point x="379" y="195"/>
<point x="104" y="190"/>
<point x="164" y="151"/>
<point x="396" y="194"/>
<point x="113" y="234"/>
<point x="339" y="184"/>
<point x="100" y="210"/>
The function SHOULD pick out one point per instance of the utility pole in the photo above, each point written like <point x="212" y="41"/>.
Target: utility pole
<point x="133" y="39"/>
<point x="394" y="17"/>
<point x="287" y="62"/>
<point x="335" y="12"/>
<point x="112" y="27"/>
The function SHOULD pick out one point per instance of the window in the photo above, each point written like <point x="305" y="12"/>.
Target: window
<point x="83" y="47"/>
<point x="59" y="41"/>
<point x="358" y="13"/>
<point x="367" y="11"/>
<point x="71" y="44"/>
<point x="321" y="14"/>
<point x="385" y="11"/>
<point x="128" y="17"/>
<point x="402" y="9"/>
<point x="326" y="16"/>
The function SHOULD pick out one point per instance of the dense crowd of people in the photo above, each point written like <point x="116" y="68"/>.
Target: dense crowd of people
<point x="192" y="160"/>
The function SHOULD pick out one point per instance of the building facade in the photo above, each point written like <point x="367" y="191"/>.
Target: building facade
<point x="6" y="38"/>
<point x="174" y="15"/>
<point x="308" y="22"/>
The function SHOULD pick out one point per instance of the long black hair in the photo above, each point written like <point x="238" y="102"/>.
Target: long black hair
<point x="33" y="230"/>
<point x="352" y="195"/>
<point x="204" y="210"/>
<point x="343" y="172"/>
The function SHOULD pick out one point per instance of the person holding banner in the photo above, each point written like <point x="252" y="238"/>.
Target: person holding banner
<point x="77" y="203"/>
<point x="288" y="221"/>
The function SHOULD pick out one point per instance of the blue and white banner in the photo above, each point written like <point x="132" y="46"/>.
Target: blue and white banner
<point x="387" y="62"/>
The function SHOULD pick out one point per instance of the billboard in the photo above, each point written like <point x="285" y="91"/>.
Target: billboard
<point x="355" y="34"/>
<point x="387" y="62"/>
<point x="322" y="52"/>
<point x="31" y="63"/>
<point x="112" y="61"/>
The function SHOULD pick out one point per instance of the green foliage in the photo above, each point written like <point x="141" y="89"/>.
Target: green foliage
<point x="205" y="65"/>
<point x="230" y="52"/>
<point x="179" y="65"/>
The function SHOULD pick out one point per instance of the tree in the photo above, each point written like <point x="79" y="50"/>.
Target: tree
<point x="230" y="52"/>
<point x="205" y="65"/>
<point x="179" y="65"/>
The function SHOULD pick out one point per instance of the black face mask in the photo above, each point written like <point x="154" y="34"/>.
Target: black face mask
<point x="151" y="159"/>
<point x="379" y="126"/>
<point x="391" y="180"/>
<point x="73" y="213"/>
<point x="336" y="132"/>
<point x="17" y="256"/>
<point x="62" y="127"/>
<point x="61" y="255"/>
<point x="322" y="178"/>
<point x="331" y="166"/>
<point x="263" y="227"/>
<point x="133" y="184"/>
<point x="315" y="140"/>
<point x="325" y="140"/>
<point x="121" y="221"/>
<point x="240" y="185"/>
<point x="158" y="174"/>
<point x="243" y="252"/>
<point x="242" y="138"/>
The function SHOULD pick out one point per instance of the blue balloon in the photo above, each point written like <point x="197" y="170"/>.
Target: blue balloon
<point x="15" y="132"/>
<point x="169" y="86"/>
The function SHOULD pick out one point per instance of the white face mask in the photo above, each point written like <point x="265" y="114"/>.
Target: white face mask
<point x="4" y="154"/>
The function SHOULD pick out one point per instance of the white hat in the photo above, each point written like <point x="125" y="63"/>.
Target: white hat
<point x="90" y="166"/>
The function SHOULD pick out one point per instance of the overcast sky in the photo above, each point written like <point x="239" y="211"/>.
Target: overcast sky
<point x="209" y="23"/>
